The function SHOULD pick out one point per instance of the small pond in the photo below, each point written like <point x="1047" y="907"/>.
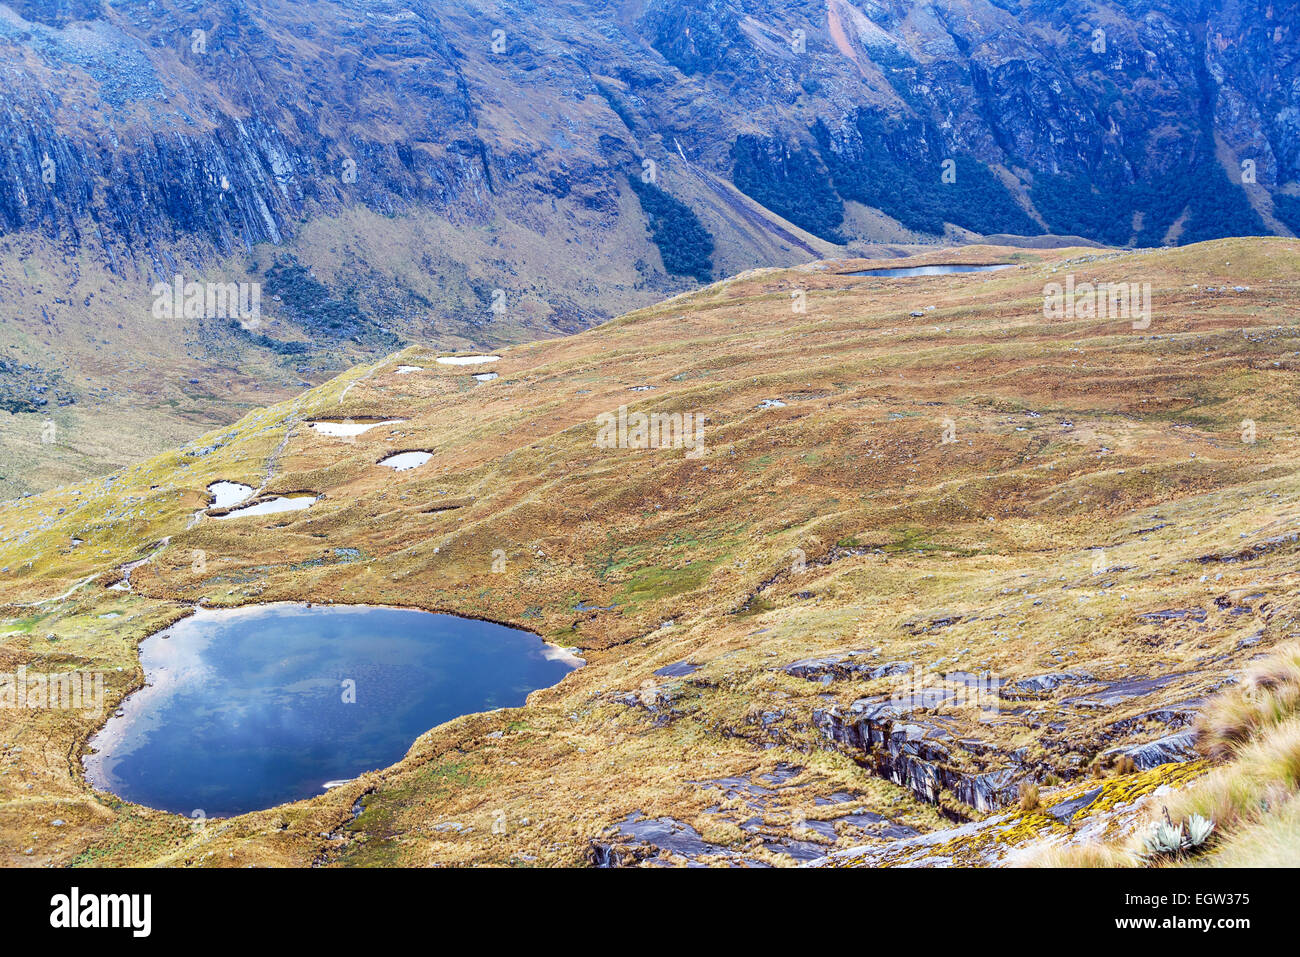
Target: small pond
<point x="405" y="461"/>
<point x="926" y="270"/>
<point x="252" y="707"/>
<point x="227" y="494"/>
<point x="347" y="428"/>
<point x="272" y="506"/>
<point x="466" y="360"/>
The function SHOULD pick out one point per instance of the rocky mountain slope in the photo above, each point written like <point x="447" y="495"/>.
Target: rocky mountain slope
<point x="227" y="124"/>
<point x="472" y="174"/>
<point x="941" y="542"/>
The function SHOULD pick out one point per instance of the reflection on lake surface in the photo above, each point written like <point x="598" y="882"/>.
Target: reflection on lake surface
<point x="226" y="494"/>
<point x="252" y="707"/>
<point x="282" y="503"/>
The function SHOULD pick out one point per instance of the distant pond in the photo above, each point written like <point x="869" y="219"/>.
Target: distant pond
<point x="252" y="707"/>
<point x="926" y="270"/>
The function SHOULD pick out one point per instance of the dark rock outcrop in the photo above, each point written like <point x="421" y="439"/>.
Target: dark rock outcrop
<point x="914" y="752"/>
<point x="1065" y="811"/>
<point x="845" y="665"/>
<point x="1180" y="746"/>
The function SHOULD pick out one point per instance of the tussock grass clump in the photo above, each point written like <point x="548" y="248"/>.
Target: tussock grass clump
<point x="1273" y="842"/>
<point x="1104" y="766"/>
<point x="1246" y="812"/>
<point x="1269" y="693"/>
<point x="1264" y="773"/>
<point x="1086" y="855"/>
<point x="1029" y="796"/>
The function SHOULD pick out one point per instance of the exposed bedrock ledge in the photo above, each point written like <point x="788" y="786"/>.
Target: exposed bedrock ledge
<point x="848" y="664"/>
<point x="921" y="754"/>
<point x="915" y="754"/>
<point x="1180" y="746"/>
<point x="241" y="182"/>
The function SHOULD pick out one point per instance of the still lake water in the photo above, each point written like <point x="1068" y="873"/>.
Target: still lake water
<point x="271" y="506"/>
<point x="926" y="270"/>
<point x="247" y="708"/>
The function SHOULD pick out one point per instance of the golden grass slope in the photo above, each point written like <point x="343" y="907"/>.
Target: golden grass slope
<point x="1098" y="473"/>
<point x="144" y="384"/>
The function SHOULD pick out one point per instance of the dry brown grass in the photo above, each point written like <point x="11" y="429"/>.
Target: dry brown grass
<point x="1269" y="693"/>
<point x="1089" y="855"/>
<point x="1029" y="796"/>
<point x="1273" y="840"/>
<point x="1069" y="435"/>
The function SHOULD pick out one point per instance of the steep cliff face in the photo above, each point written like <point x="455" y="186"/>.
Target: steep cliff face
<point x="462" y="173"/>
<point x="1099" y="120"/>
<point x="59" y="12"/>
<point x="151" y="122"/>
<point x="1252" y="58"/>
<point x="154" y="124"/>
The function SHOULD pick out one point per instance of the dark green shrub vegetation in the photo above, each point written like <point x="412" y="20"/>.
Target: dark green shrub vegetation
<point x="309" y="302"/>
<point x="896" y="166"/>
<point x="1216" y="207"/>
<point x="684" y="244"/>
<point x="1219" y="206"/>
<point x="896" y="171"/>
<point x="1072" y="206"/>
<point x="1287" y="209"/>
<point x="266" y="342"/>
<point x="790" y="182"/>
<point x="979" y="201"/>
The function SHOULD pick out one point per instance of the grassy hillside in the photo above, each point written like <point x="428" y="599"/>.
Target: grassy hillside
<point x="126" y="384"/>
<point x="122" y="384"/>
<point x="924" y="471"/>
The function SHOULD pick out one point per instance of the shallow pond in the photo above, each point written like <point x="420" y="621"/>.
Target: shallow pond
<point x="272" y="506"/>
<point x="926" y="270"/>
<point x="252" y="707"/>
<point x="226" y="494"/>
<point x="404" y="461"/>
<point x="347" y="428"/>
